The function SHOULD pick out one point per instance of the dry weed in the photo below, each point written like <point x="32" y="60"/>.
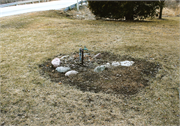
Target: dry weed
<point x="28" y="98"/>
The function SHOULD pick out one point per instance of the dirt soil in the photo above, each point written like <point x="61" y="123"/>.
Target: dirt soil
<point x="118" y="80"/>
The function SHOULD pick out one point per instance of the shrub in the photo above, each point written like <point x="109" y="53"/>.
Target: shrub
<point x="120" y="9"/>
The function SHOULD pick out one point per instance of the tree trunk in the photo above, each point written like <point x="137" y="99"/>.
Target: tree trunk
<point x="129" y="15"/>
<point x="160" y="13"/>
<point x="161" y="5"/>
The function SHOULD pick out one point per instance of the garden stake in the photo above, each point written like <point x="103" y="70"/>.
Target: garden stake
<point x="82" y="56"/>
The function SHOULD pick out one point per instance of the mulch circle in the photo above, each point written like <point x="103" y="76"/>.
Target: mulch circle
<point x="118" y="80"/>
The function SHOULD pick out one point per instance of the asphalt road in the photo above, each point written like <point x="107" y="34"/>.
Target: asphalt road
<point x="20" y="9"/>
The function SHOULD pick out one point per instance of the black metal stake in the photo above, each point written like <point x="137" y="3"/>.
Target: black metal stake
<point x="82" y="56"/>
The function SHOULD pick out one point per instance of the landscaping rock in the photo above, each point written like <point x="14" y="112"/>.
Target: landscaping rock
<point x="127" y="63"/>
<point x="107" y="65"/>
<point x="115" y="64"/>
<point x="100" y="68"/>
<point x="71" y="73"/>
<point x="55" y="62"/>
<point x="63" y="57"/>
<point x="98" y="56"/>
<point x="63" y="69"/>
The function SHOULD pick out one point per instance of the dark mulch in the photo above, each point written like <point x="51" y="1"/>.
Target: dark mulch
<point x="119" y="80"/>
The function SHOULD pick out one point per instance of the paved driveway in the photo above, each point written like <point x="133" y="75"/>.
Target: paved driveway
<point x="20" y="9"/>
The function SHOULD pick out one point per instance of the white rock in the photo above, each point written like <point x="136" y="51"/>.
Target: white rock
<point x="63" y="69"/>
<point x="55" y="62"/>
<point x="97" y="56"/>
<point x="71" y="73"/>
<point x="127" y="63"/>
<point x="64" y="57"/>
<point x="107" y="65"/>
<point x="115" y="64"/>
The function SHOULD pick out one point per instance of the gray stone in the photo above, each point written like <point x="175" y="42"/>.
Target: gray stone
<point x="63" y="69"/>
<point x="100" y="68"/>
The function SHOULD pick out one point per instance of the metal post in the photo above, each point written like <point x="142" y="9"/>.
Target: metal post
<point x="80" y="50"/>
<point x="77" y="6"/>
<point x="82" y="56"/>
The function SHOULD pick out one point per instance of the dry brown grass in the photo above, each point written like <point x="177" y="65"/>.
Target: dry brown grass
<point x="171" y="12"/>
<point x="28" y="98"/>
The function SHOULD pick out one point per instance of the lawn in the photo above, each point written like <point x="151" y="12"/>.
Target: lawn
<point x="27" y="97"/>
